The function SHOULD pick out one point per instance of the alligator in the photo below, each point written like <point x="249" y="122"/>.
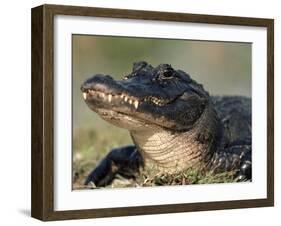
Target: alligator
<point x="174" y="123"/>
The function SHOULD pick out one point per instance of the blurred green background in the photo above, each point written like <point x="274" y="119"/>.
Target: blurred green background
<point x="224" y="68"/>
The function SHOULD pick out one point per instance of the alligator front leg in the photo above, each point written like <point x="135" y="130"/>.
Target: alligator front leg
<point x="125" y="161"/>
<point x="238" y="157"/>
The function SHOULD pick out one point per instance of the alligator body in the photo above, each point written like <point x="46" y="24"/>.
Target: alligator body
<point x="175" y="124"/>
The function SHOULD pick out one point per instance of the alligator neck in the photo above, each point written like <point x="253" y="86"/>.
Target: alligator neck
<point x="174" y="150"/>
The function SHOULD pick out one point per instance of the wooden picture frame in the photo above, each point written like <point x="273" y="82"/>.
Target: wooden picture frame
<point x="43" y="112"/>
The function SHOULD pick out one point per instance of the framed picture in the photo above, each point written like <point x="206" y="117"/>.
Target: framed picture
<point x="141" y="112"/>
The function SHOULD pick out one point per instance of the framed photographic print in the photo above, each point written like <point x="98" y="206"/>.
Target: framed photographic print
<point x="141" y="112"/>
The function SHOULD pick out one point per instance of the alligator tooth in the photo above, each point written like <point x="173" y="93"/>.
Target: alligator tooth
<point x="109" y="97"/>
<point x="136" y="104"/>
<point x="126" y="98"/>
<point x="130" y="101"/>
<point x="122" y="95"/>
<point x="85" y="96"/>
<point x="102" y="95"/>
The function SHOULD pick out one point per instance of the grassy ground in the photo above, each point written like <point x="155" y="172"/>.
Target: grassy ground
<point x="90" y="146"/>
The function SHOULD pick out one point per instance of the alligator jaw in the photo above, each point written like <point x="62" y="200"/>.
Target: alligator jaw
<point x="109" y="98"/>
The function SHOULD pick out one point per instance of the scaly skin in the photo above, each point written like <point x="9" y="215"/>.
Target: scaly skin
<point x="173" y="122"/>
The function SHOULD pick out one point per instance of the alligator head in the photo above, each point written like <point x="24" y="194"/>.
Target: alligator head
<point x="161" y="107"/>
<point x="148" y="96"/>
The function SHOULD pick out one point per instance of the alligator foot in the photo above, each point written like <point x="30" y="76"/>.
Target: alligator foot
<point x="245" y="172"/>
<point x="125" y="161"/>
<point x="243" y="149"/>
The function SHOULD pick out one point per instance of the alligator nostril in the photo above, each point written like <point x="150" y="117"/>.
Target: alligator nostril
<point x="86" y="86"/>
<point x="82" y="88"/>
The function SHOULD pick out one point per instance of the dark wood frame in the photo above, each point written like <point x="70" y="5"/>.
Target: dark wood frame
<point x="42" y="203"/>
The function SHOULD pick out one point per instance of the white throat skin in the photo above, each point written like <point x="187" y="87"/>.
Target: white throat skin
<point x="177" y="151"/>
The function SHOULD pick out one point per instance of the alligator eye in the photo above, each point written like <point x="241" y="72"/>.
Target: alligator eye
<point x="166" y="74"/>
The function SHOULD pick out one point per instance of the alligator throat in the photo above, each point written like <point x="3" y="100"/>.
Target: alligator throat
<point x="173" y="152"/>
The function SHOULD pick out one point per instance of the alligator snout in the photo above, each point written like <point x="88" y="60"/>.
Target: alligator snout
<point x="101" y="83"/>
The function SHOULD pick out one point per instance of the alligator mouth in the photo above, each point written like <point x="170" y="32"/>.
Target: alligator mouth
<point x="122" y="105"/>
<point x="111" y="98"/>
<point x="115" y="107"/>
<point x="115" y="99"/>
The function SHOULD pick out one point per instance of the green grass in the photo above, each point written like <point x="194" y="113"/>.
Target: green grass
<point x="190" y="176"/>
<point x="91" y="145"/>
